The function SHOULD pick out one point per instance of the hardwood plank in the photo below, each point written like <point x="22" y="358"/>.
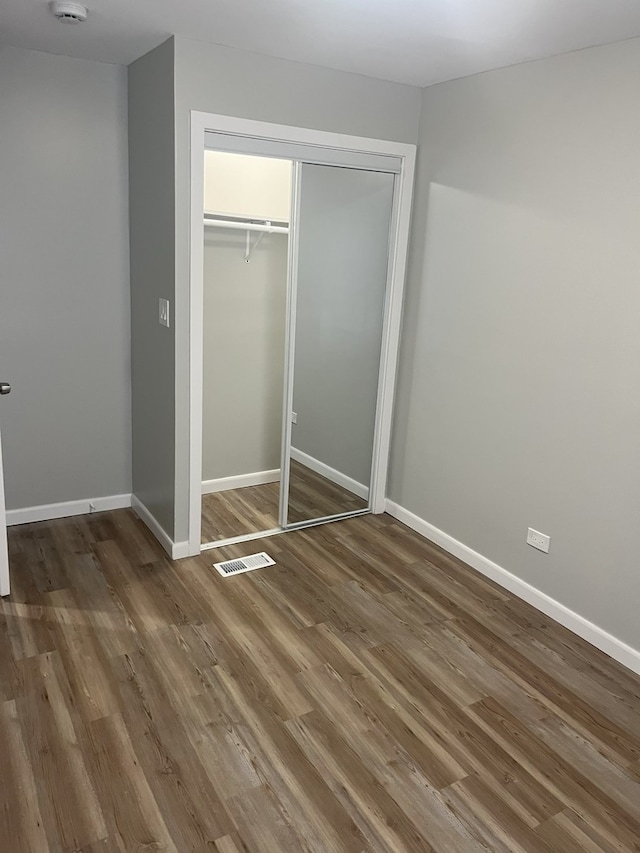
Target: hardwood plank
<point x="187" y="794"/>
<point x="231" y="844"/>
<point x="429" y="811"/>
<point x="491" y="810"/>
<point x="43" y="555"/>
<point x="21" y="827"/>
<point x="560" y="699"/>
<point x="583" y="757"/>
<point x="422" y="742"/>
<point x="9" y="678"/>
<point x="373" y="810"/>
<point x="568" y="833"/>
<point x="463" y="738"/>
<point x="71" y="812"/>
<point x="259" y="657"/>
<point x="132" y="813"/>
<point x="263" y="824"/>
<point x="252" y="606"/>
<point x="107" y="618"/>
<point x="311" y="805"/>
<point x="613" y="702"/>
<point x="25" y="627"/>
<point x="84" y="661"/>
<point x="579" y="792"/>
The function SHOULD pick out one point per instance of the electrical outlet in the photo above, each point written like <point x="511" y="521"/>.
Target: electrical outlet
<point x="294" y="417"/>
<point x="163" y="312"/>
<point x="538" y="540"/>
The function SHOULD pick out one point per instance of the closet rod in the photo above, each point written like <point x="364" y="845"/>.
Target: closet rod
<point x="247" y="226"/>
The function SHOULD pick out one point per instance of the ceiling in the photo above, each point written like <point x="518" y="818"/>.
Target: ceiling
<point x="411" y="41"/>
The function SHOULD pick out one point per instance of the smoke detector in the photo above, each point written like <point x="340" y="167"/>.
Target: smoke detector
<point x="68" y="12"/>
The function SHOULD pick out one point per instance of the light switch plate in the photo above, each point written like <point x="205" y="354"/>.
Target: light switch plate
<point x="163" y="315"/>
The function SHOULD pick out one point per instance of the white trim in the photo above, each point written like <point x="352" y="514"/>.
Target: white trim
<point x="332" y="474"/>
<point x="46" y="512"/>
<point x="196" y="331"/>
<point x="5" y="578"/>
<point x="176" y="550"/>
<point x="289" y="343"/>
<point x="392" y="324"/>
<point x="200" y="123"/>
<point x="296" y="135"/>
<point x="598" y="637"/>
<point x="244" y="537"/>
<point x="241" y="481"/>
<point x="180" y="550"/>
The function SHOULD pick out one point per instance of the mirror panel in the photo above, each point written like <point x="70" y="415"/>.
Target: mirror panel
<point x="343" y="224"/>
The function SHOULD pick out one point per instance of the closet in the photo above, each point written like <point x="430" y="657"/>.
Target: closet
<point x="297" y="264"/>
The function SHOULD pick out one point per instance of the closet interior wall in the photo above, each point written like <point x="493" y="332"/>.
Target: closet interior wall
<point x="244" y="320"/>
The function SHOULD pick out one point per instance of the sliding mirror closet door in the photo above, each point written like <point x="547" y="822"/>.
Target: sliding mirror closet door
<point x="246" y="217"/>
<point x="342" y="257"/>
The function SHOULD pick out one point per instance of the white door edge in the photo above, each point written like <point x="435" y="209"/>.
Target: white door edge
<point x="5" y="587"/>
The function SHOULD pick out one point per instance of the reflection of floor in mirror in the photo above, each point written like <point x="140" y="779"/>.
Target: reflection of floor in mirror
<point x="240" y="511"/>
<point x="313" y="496"/>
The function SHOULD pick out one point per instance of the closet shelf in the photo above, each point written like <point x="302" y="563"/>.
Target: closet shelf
<point x="264" y="225"/>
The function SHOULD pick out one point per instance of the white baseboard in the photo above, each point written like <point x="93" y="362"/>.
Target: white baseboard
<point x="332" y="474"/>
<point x="223" y="484"/>
<point x="180" y="550"/>
<point x="176" y="550"/>
<point x="46" y="512"/>
<point x="598" y="637"/>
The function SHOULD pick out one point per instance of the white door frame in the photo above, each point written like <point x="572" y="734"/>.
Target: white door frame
<point x="5" y="587"/>
<point x="257" y="130"/>
<point x="289" y="337"/>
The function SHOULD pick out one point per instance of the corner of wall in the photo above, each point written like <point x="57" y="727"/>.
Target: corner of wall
<point x="152" y="254"/>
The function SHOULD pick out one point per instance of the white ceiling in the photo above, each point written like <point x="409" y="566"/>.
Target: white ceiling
<point x="410" y="41"/>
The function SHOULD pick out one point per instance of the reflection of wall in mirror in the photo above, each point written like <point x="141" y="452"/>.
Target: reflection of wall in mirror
<point x="345" y="216"/>
<point x="244" y="318"/>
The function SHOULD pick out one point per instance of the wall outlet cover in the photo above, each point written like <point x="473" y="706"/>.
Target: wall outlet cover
<point x="538" y="540"/>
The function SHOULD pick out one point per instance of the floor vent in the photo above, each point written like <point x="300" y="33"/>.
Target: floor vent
<point x="244" y="564"/>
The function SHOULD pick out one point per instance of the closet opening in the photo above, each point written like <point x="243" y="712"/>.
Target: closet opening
<point x="298" y="250"/>
<point x="247" y="203"/>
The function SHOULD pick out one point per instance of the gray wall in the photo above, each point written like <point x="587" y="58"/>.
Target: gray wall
<point x="243" y="353"/>
<point x="343" y="225"/>
<point x="235" y="82"/>
<point x="64" y="301"/>
<point x="519" y="401"/>
<point x="152" y="235"/>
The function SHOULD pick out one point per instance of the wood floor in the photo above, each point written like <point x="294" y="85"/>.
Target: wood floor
<point x="237" y="512"/>
<point x="255" y="508"/>
<point x="367" y="693"/>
